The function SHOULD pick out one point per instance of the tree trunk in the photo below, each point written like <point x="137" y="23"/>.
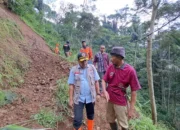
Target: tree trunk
<point x="169" y="83"/>
<point x="135" y="54"/>
<point x="174" y="116"/>
<point x="149" y="63"/>
<point x="163" y="93"/>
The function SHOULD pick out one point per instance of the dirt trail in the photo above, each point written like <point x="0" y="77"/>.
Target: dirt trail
<point x="40" y="80"/>
<point x="38" y="89"/>
<point x="39" y="85"/>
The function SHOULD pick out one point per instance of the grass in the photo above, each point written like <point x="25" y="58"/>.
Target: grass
<point x="48" y="118"/>
<point x="14" y="127"/>
<point x="145" y="123"/>
<point x="62" y="96"/>
<point x="9" y="29"/>
<point x="43" y="28"/>
<point x="13" y="62"/>
<point x="7" y="97"/>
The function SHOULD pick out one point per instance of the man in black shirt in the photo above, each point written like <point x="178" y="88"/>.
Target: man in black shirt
<point x="66" y="49"/>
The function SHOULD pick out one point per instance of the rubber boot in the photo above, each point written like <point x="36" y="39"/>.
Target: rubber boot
<point x="78" y="129"/>
<point x="114" y="126"/>
<point x="90" y="124"/>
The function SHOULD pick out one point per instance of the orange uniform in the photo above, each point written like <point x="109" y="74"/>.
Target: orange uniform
<point x="88" y="51"/>
<point x="56" y="50"/>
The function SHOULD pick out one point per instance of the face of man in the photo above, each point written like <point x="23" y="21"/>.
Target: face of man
<point x="102" y="49"/>
<point x="115" y="60"/>
<point x="84" y="44"/>
<point x="83" y="64"/>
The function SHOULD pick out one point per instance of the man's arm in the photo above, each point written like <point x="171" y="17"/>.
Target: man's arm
<point x="104" y="90"/>
<point x="71" y="91"/>
<point x="108" y="60"/>
<point x="71" y="87"/>
<point x="95" y="61"/>
<point x="133" y="100"/>
<point x="68" y="48"/>
<point x="132" y="105"/>
<point x="97" y="87"/>
<point x="134" y="83"/>
<point x="90" y="53"/>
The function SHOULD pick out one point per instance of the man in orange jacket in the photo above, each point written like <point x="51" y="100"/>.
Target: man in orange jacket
<point x="88" y="51"/>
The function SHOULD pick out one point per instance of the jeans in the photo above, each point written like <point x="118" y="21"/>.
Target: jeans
<point x="78" y="113"/>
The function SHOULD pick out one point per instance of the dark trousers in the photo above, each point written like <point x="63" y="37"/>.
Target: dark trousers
<point x="78" y="113"/>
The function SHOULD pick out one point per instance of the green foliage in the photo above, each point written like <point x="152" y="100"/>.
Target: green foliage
<point x="11" y="76"/>
<point x="7" y="97"/>
<point x="43" y="28"/>
<point x="21" y="7"/>
<point x="48" y="118"/>
<point x="62" y="96"/>
<point x="9" y="29"/>
<point x="77" y="26"/>
<point x="14" y="127"/>
<point x="145" y="123"/>
<point x="13" y="62"/>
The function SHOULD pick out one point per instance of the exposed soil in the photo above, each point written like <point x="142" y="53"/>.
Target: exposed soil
<point x="39" y="85"/>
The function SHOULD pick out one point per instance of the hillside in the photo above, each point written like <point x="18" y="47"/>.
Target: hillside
<point x="28" y="54"/>
<point x="33" y="80"/>
<point x="42" y="70"/>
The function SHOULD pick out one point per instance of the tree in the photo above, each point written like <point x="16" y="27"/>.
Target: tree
<point x="88" y="26"/>
<point x="40" y="5"/>
<point x="155" y="4"/>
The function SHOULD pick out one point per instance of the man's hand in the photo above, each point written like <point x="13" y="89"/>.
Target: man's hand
<point x="98" y="98"/>
<point x="71" y="103"/>
<point x="106" y="95"/>
<point x="130" y="113"/>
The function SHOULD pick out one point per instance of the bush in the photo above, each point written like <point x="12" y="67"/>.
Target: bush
<point x="6" y="97"/>
<point x="62" y="96"/>
<point x="48" y="118"/>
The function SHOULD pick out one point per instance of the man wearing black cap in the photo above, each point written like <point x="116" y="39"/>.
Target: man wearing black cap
<point x="88" y="51"/>
<point x="119" y="76"/>
<point x="66" y="49"/>
<point x="83" y="88"/>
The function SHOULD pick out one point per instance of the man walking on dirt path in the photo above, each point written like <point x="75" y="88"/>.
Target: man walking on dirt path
<point x="101" y="61"/>
<point x="83" y="89"/>
<point x="119" y="76"/>
<point x="66" y="49"/>
<point x="88" y="51"/>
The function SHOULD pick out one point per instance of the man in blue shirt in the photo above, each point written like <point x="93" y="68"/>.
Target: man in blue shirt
<point x="83" y="88"/>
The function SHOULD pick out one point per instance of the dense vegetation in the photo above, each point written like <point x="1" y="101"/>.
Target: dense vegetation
<point x="124" y="28"/>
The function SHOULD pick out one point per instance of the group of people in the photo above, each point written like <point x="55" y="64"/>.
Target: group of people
<point x="112" y="77"/>
<point x="66" y="49"/>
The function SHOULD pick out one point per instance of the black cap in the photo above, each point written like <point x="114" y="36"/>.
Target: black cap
<point x="83" y="41"/>
<point x="67" y="41"/>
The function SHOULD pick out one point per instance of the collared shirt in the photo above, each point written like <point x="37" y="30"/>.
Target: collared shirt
<point x="118" y="80"/>
<point x="85" y="91"/>
<point x="88" y="51"/>
<point x="102" y="60"/>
